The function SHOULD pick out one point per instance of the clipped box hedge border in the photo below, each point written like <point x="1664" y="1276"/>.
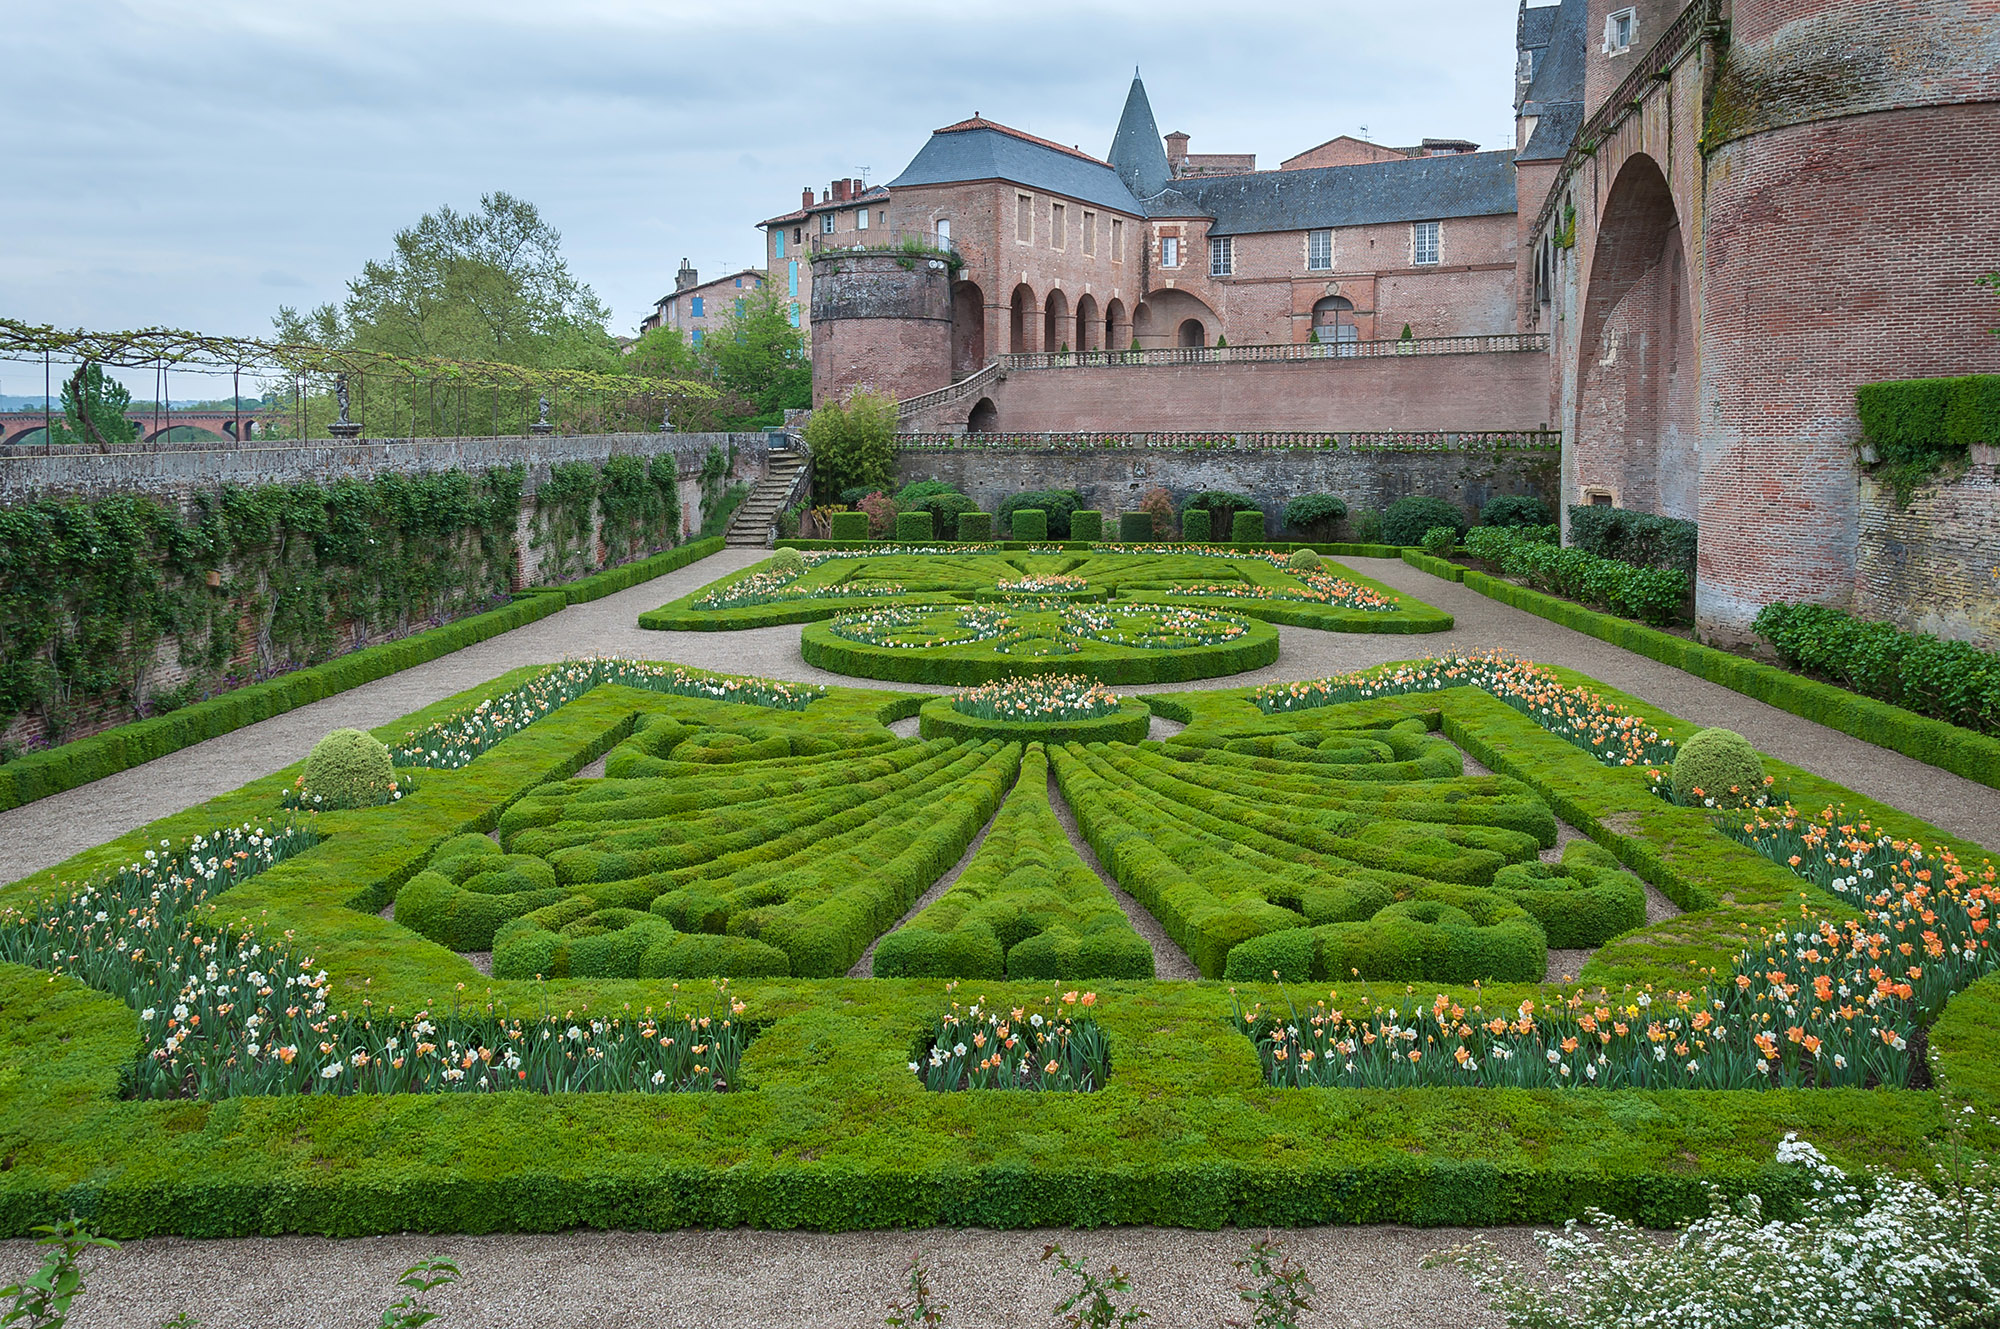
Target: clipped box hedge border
<point x="1128" y="724"/>
<point x="1936" y="743"/>
<point x="977" y="664"/>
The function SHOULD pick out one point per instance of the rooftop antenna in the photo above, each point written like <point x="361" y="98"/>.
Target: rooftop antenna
<point x="864" y="174"/>
<point x="1364" y="134"/>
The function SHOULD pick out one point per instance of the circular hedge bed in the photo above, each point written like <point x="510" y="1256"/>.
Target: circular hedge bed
<point x="980" y="643"/>
<point x="1128" y="724"/>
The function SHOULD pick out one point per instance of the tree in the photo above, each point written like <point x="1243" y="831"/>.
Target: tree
<point x="852" y="444"/>
<point x="664" y="353"/>
<point x="490" y="285"/>
<point x="757" y="354"/>
<point x="93" y="411"/>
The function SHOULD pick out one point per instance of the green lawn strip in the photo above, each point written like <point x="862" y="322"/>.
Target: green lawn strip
<point x="1128" y="724"/>
<point x="1937" y="743"/>
<point x="834" y="1132"/>
<point x="1026" y="906"/>
<point x="980" y="662"/>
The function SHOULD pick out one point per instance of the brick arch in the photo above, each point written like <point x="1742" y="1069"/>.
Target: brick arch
<point x="1117" y="326"/>
<point x="984" y="419"/>
<point x="1167" y="312"/>
<point x="968" y="328"/>
<point x="1055" y="322"/>
<point x="1024" y="325"/>
<point x="1637" y="431"/>
<point x="1089" y="325"/>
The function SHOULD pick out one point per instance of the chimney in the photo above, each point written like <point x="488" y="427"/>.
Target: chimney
<point x="840" y="191"/>
<point x="857" y="189"/>
<point x="1176" y="150"/>
<point x="826" y="196"/>
<point x="806" y="197"/>
<point x="686" y="277"/>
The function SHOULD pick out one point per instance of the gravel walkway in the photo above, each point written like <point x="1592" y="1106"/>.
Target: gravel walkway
<point x="1368" y="1278"/>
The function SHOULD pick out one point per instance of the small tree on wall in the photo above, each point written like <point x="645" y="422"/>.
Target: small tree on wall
<point x="853" y="444"/>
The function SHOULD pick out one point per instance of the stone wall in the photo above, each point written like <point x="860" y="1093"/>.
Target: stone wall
<point x="1113" y="479"/>
<point x="1935" y="565"/>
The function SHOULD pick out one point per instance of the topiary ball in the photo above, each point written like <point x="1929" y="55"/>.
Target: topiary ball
<point x="1718" y="765"/>
<point x="1303" y="560"/>
<point x="347" y="769"/>
<point x="787" y="560"/>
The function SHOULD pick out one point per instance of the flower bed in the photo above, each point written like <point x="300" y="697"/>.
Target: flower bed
<point x="1053" y="583"/>
<point x="1128" y="722"/>
<point x="1045" y="1048"/>
<point x="1047" y="697"/>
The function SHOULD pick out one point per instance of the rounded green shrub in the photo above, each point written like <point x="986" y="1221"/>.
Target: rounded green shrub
<point x="788" y="560"/>
<point x="1439" y="541"/>
<point x="1514" y="510"/>
<point x="470" y="890"/>
<point x="1718" y="765"/>
<point x="1086" y="525"/>
<point x="1315" y="514"/>
<point x="1304" y="560"/>
<point x="347" y="769"/>
<point x="1246" y="527"/>
<point x="1409" y="517"/>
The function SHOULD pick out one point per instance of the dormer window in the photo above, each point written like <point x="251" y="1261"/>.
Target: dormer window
<point x="1621" y="26"/>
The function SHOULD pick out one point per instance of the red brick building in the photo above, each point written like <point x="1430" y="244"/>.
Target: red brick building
<point x="697" y="307"/>
<point x="848" y="214"/>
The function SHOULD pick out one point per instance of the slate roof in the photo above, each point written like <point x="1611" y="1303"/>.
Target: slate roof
<point x="1554" y="132"/>
<point x="873" y="194"/>
<point x="1137" y="153"/>
<point x="1532" y="32"/>
<point x="1559" y="70"/>
<point x="983" y="150"/>
<point x="1472" y="184"/>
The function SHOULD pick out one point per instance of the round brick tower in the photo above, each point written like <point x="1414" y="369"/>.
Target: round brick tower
<point x="1850" y="200"/>
<point x="881" y="322"/>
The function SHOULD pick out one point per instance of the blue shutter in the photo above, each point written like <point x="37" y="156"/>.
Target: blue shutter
<point x="697" y="307"/>
<point x="793" y="277"/>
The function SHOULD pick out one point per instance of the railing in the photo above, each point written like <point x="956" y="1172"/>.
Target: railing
<point x="1500" y="440"/>
<point x="1695" y="23"/>
<point x="1286" y="353"/>
<point x="801" y="486"/>
<point x="881" y="239"/>
<point x="977" y="381"/>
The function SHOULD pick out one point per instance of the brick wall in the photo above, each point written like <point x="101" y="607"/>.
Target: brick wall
<point x="1492" y="390"/>
<point x="881" y="322"/>
<point x="1113" y="479"/>
<point x="1935" y="565"/>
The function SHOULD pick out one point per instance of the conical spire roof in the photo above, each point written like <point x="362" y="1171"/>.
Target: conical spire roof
<point x="1137" y="153"/>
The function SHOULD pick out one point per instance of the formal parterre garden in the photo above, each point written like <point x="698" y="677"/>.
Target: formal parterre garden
<point x="782" y="966"/>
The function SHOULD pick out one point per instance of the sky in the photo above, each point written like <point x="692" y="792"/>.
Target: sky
<point x="197" y="163"/>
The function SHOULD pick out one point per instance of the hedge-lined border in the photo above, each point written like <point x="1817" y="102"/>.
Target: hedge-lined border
<point x="1936" y="743"/>
<point x="1441" y="568"/>
<point x="831" y="1134"/>
<point x="41" y="774"/>
<point x="976" y="663"/>
<point x="1127" y="724"/>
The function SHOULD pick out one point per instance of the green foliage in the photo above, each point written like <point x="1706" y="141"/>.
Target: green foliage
<point x="914" y="527"/>
<point x="1719" y="767"/>
<point x="470" y="889"/>
<point x="1366" y="526"/>
<point x="1128" y="724"/>
<point x="1282" y="1289"/>
<point x="490" y="285"/>
<point x="1135" y="527"/>
<point x="1056" y="505"/>
<point x="1092" y="1305"/>
<point x="347" y="769"/>
<point x="975" y="526"/>
<point x="759" y="357"/>
<point x="1514" y="510"/>
<point x="1246" y="527"/>
<point x="849" y="527"/>
<point x="43" y="1301"/>
<point x="1026" y="906"/>
<point x="919" y="1312"/>
<point x="787" y="560"/>
<point x="93" y="411"/>
<point x="1638" y="538"/>
<point x="937" y="497"/>
<point x="853" y="444"/>
<point x="1439" y="541"/>
<point x="1652" y="595"/>
<point x="1921" y="427"/>
<point x="1953" y="681"/>
<point x="1219" y="504"/>
<point x="1315" y="514"/>
<point x="640" y="504"/>
<point x="1195" y="526"/>
<point x="1304" y="560"/>
<point x="418" y="1281"/>
<point x="1031" y="524"/>
<point x="1410" y="516"/>
<point x="1407" y="334"/>
<point x="1086" y="526"/>
<point x="880" y="510"/>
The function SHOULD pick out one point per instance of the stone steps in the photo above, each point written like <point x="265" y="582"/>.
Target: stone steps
<point x="750" y="526"/>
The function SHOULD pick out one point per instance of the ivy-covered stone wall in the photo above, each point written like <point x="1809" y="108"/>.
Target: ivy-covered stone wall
<point x="136" y="583"/>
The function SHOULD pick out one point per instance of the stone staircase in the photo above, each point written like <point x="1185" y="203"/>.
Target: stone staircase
<point x="751" y="525"/>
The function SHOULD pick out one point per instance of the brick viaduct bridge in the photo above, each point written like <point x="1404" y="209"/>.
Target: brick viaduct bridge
<point x="17" y="426"/>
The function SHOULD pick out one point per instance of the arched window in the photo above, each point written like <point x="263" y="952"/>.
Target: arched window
<point x="1333" y="323"/>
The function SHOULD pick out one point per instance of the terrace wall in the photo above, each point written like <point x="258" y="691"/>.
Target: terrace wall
<point x="1934" y="566"/>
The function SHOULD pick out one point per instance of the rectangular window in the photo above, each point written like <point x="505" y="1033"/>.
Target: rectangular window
<point x="1024" y="218"/>
<point x="792" y="277"/>
<point x="1089" y="232"/>
<point x="1424" y="243"/>
<point x="1620" y="28"/>
<point x="778" y="237"/>
<point x="1117" y="239"/>
<point x="1221" y="255"/>
<point x="1058" y="226"/>
<point x="944" y="234"/>
<point x="826" y="223"/>
<point x="1319" y="251"/>
<point x="798" y="235"/>
<point x="695" y="311"/>
<point x="861" y="219"/>
<point x="1170" y="251"/>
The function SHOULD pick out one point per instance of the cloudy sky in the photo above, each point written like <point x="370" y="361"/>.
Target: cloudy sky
<point x="196" y="163"/>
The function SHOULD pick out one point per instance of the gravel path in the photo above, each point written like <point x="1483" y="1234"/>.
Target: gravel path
<point x="1368" y="1278"/>
<point x="1169" y="960"/>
